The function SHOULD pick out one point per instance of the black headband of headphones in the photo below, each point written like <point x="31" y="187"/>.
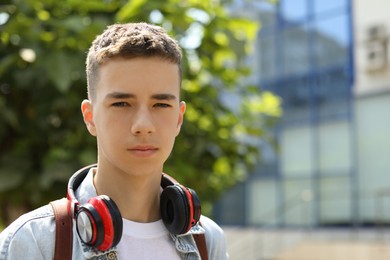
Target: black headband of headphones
<point x="99" y="222"/>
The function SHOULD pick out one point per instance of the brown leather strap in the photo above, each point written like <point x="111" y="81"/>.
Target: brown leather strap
<point x="64" y="234"/>
<point x="200" y="241"/>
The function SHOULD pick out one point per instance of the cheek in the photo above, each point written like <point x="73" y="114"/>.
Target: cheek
<point x="109" y="127"/>
<point x="170" y="132"/>
<point x="168" y="123"/>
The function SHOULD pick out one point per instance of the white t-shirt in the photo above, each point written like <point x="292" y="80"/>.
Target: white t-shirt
<point x="146" y="241"/>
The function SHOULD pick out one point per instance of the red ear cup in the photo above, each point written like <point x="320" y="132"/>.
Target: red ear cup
<point x="116" y="218"/>
<point x="99" y="223"/>
<point x="178" y="210"/>
<point x="196" y="206"/>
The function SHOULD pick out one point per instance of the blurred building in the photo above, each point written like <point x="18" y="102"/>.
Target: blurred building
<point x="329" y="61"/>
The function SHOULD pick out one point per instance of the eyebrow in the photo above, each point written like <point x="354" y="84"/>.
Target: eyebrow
<point x="164" y="97"/>
<point x="121" y="95"/>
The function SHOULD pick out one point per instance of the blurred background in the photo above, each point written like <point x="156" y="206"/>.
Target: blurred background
<point x="287" y="131"/>
<point x="324" y="192"/>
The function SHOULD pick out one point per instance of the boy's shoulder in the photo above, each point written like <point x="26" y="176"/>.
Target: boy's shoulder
<point x="215" y="239"/>
<point x="211" y="228"/>
<point x="34" y="232"/>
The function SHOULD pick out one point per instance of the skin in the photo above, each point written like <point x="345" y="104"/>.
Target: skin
<point x="135" y="116"/>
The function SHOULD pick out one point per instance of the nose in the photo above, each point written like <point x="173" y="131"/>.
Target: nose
<point x="142" y="122"/>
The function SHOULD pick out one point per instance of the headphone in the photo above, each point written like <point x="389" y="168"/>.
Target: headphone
<point x="99" y="221"/>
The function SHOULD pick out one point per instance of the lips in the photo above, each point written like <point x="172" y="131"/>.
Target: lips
<point x="143" y="150"/>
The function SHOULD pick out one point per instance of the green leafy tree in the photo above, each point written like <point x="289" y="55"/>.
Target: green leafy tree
<point x="42" y="82"/>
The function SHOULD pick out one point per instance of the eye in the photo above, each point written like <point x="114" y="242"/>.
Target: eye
<point x="120" y="104"/>
<point x="162" y="105"/>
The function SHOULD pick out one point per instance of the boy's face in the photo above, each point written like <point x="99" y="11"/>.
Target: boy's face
<point x="136" y="114"/>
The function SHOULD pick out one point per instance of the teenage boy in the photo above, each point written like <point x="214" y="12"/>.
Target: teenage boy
<point x="134" y="111"/>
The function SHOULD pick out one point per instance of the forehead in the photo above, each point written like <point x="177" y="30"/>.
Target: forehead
<point x="138" y="75"/>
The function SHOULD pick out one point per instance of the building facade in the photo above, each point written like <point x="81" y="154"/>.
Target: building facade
<point x="329" y="61"/>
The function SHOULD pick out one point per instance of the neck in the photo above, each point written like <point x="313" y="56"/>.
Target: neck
<point x="136" y="195"/>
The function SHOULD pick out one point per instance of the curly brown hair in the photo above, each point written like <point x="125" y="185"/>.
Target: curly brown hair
<point x="129" y="41"/>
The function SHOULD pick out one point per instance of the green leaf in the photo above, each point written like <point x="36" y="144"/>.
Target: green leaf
<point x="6" y="62"/>
<point x="131" y="9"/>
<point x="59" y="68"/>
<point x="10" y="179"/>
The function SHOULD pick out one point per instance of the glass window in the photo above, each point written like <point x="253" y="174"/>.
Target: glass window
<point x="267" y="165"/>
<point x="328" y="53"/>
<point x="267" y="57"/>
<point x="332" y="93"/>
<point x="298" y="199"/>
<point x="296" y="98"/>
<point x="261" y="203"/>
<point x="297" y="155"/>
<point x="295" y="54"/>
<point x="331" y="42"/>
<point x="334" y="28"/>
<point x="321" y="6"/>
<point x="307" y="60"/>
<point x="294" y="9"/>
<point x="267" y="15"/>
<point x="335" y="204"/>
<point x="231" y="209"/>
<point x="334" y="147"/>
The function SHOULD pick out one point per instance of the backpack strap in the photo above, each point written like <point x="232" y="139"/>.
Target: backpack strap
<point x="200" y="240"/>
<point x="64" y="232"/>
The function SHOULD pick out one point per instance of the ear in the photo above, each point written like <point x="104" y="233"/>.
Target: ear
<point x="182" y="110"/>
<point x="86" y="110"/>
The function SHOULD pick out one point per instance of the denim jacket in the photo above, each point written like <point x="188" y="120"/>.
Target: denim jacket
<point x="32" y="236"/>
